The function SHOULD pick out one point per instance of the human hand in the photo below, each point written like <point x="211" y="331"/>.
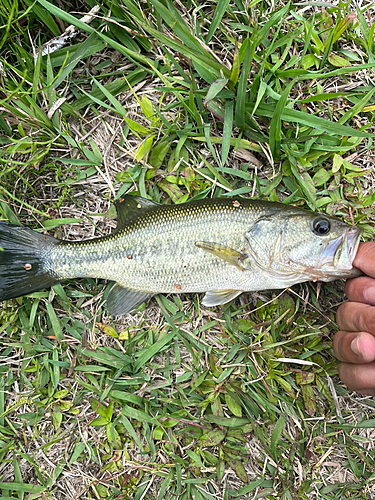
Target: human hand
<point x="354" y="344"/>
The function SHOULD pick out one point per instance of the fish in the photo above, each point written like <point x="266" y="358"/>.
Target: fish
<point x="220" y="246"/>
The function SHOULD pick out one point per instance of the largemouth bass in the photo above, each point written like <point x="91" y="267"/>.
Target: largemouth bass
<point x="219" y="246"/>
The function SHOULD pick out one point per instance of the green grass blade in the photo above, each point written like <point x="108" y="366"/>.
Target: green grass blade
<point x="149" y="353"/>
<point x="119" y="108"/>
<point x="275" y="124"/>
<point x="357" y="108"/>
<point x="227" y="131"/>
<point x="220" y="10"/>
<point x="303" y="74"/>
<point x="241" y="91"/>
<point x="45" y="16"/>
<point x="278" y="429"/>
<point x="56" y="327"/>
<point x="79" y="54"/>
<point x="23" y="488"/>
<point x="274" y="20"/>
<point x="312" y="121"/>
<point x="179" y="28"/>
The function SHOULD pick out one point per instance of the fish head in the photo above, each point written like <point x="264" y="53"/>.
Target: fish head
<point x="300" y="245"/>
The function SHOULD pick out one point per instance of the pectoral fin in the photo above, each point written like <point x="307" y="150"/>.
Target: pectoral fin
<point x="226" y="253"/>
<point x="122" y="300"/>
<point x="218" y="297"/>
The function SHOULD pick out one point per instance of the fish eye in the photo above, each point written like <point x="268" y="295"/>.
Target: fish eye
<point x="321" y="226"/>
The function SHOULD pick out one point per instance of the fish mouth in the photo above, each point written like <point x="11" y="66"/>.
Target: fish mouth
<point x="353" y="237"/>
<point x="340" y="253"/>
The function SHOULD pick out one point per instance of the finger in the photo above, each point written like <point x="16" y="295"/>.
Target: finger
<point x="354" y="347"/>
<point x="365" y="258"/>
<point x="361" y="290"/>
<point x="360" y="378"/>
<point x="356" y="317"/>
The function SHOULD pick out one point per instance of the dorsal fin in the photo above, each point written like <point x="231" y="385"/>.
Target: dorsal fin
<point x="129" y="207"/>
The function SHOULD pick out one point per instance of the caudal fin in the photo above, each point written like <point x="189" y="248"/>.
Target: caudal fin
<point x="23" y="256"/>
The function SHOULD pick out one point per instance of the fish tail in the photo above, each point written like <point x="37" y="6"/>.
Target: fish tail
<point x="24" y="261"/>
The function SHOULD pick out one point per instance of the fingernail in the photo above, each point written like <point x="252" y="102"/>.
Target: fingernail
<point x="354" y="346"/>
<point x="369" y="295"/>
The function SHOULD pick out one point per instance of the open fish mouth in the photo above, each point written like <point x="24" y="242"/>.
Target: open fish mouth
<point x="340" y="253"/>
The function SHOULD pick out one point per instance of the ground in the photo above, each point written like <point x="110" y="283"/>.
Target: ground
<point x="172" y="102"/>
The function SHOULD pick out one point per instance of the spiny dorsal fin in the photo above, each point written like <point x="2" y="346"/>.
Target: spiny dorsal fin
<point x="226" y="253"/>
<point x="129" y="207"/>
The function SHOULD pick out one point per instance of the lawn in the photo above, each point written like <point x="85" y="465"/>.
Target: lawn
<point x="175" y="101"/>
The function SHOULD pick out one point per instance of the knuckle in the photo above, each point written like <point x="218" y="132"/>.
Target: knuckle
<point x="354" y="288"/>
<point x="337" y="344"/>
<point x="346" y="375"/>
<point x="348" y="287"/>
<point x="340" y="315"/>
<point x="369" y="321"/>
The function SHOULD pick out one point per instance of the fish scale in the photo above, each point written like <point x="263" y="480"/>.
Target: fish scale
<point x="219" y="246"/>
<point x="154" y="254"/>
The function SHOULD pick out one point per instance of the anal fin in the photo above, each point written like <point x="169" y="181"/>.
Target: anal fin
<point x="122" y="300"/>
<point x="226" y="253"/>
<point x="219" y="297"/>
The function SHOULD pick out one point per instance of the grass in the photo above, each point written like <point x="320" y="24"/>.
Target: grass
<point x="176" y="101"/>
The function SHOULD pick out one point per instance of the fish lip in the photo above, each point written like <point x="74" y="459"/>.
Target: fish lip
<point x="347" y="245"/>
<point x="353" y="236"/>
